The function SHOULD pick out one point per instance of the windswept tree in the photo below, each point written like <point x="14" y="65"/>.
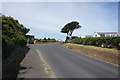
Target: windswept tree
<point x="65" y="30"/>
<point x="69" y="28"/>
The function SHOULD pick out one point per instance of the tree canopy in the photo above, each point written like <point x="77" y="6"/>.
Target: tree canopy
<point x="70" y="27"/>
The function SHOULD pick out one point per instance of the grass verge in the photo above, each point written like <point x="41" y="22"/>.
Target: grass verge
<point x="105" y="54"/>
<point x="45" y="65"/>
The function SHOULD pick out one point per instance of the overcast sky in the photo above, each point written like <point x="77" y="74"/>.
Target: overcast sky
<point x="45" y="19"/>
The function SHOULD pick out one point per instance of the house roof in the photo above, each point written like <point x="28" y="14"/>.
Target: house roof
<point x="107" y="32"/>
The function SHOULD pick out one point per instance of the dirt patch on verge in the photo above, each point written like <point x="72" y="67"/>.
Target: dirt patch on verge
<point x="105" y="54"/>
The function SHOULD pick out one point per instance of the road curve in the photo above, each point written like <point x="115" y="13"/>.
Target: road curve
<point x="69" y="64"/>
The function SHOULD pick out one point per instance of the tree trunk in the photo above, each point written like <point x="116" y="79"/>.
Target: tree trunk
<point x="71" y="34"/>
<point x="66" y="38"/>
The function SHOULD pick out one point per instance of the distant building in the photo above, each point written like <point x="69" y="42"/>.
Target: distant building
<point x="104" y="34"/>
<point x="82" y="36"/>
<point x="30" y="39"/>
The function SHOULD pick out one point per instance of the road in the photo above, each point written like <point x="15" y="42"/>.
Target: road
<point x="31" y="66"/>
<point x="65" y="63"/>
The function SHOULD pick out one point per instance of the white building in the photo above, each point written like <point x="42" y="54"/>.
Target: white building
<point x="104" y="34"/>
<point x="82" y="36"/>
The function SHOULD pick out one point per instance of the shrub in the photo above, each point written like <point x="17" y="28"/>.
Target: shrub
<point x="108" y="42"/>
<point x="20" y="40"/>
<point x="46" y="40"/>
<point x="13" y="34"/>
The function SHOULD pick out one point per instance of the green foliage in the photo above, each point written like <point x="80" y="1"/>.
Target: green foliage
<point x="108" y="42"/>
<point x="73" y="37"/>
<point x="52" y="40"/>
<point x="38" y="40"/>
<point x="20" y="40"/>
<point x="46" y="40"/>
<point x="13" y="34"/>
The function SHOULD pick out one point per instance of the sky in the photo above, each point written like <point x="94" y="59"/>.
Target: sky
<point x="60" y="0"/>
<point x="46" y="19"/>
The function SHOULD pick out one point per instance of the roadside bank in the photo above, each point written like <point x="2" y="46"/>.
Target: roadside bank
<point x="104" y="54"/>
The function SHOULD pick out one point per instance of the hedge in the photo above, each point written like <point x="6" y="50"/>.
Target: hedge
<point x="46" y="40"/>
<point x="13" y="34"/>
<point x="107" y="42"/>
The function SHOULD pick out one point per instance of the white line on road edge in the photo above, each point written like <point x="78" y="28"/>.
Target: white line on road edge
<point x="45" y="65"/>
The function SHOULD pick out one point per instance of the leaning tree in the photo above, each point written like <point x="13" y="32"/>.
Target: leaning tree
<point x="70" y="27"/>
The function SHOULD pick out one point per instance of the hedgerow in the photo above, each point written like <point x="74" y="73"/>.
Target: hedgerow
<point x="13" y="34"/>
<point x="107" y="42"/>
<point x="46" y="40"/>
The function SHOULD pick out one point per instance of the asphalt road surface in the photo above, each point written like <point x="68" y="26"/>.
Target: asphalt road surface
<point x="65" y="63"/>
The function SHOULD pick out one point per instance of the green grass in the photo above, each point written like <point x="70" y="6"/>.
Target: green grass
<point x="105" y="54"/>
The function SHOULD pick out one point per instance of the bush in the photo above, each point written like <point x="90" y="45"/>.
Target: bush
<point x="46" y="40"/>
<point x="20" y="40"/>
<point x="13" y="34"/>
<point x="108" y="42"/>
<point x="7" y="46"/>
